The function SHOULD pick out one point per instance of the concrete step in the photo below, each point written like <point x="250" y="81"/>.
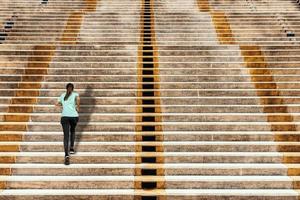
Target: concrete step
<point x="168" y="117"/>
<point x="169" y="157"/>
<point x="180" y="146"/>
<point x="163" y="85"/>
<point x="171" y="169"/>
<point x="125" y="182"/>
<point x="168" y="136"/>
<point x="176" y="194"/>
<point x="168" y="126"/>
<point x="172" y="105"/>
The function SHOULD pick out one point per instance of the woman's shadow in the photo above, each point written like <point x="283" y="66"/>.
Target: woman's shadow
<point x="88" y="103"/>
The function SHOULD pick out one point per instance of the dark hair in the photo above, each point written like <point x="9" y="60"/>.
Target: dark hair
<point x="68" y="93"/>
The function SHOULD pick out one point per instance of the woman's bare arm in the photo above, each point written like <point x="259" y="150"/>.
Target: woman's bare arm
<point x="58" y="103"/>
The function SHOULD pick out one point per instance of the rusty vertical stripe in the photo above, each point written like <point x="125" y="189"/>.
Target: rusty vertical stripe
<point x="266" y="88"/>
<point x="203" y="5"/>
<point x="277" y="112"/>
<point x="91" y="5"/>
<point x="148" y="81"/>
<point x="273" y="103"/>
<point x="220" y="22"/>
<point x="222" y="27"/>
<point x="27" y="93"/>
<point x="34" y="72"/>
<point x="72" y="28"/>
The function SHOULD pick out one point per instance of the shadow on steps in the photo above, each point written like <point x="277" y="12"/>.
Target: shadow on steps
<point x="87" y="118"/>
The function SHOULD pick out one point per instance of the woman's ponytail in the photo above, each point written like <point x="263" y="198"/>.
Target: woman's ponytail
<point x="69" y="92"/>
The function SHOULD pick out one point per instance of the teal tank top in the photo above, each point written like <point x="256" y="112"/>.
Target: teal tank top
<point x="69" y="106"/>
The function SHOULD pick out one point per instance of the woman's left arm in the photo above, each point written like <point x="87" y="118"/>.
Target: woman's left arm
<point x="58" y="102"/>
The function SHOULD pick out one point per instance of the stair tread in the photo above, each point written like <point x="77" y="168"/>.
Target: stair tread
<point x="189" y="192"/>
<point x="148" y="178"/>
<point x="189" y="154"/>
<point x="151" y="165"/>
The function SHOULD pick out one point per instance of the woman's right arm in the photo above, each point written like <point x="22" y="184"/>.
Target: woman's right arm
<point x="58" y="102"/>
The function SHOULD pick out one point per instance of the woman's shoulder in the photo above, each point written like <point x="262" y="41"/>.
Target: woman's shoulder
<point x="63" y="94"/>
<point x="76" y="94"/>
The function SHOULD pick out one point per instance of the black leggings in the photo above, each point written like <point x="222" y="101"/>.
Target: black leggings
<point x="69" y="125"/>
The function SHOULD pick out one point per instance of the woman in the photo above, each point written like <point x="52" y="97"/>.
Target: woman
<point x="70" y="103"/>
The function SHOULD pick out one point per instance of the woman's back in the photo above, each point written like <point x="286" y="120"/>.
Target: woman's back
<point x="69" y="105"/>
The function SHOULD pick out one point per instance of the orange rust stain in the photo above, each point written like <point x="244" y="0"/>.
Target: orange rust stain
<point x="91" y="5"/>
<point x="255" y="62"/>
<point x="7" y="159"/>
<point x="203" y="5"/>
<point x="9" y="148"/>
<point x="277" y="112"/>
<point x="273" y="103"/>
<point x="10" y="137"/>
<point x="74" y="23"/>
<point x="220" y="21"/>
<point x="41" y="58"/>
<point x="37" y="67"/>
<point x="222" y="28"/>
<point x="2" y="184"/>
<point x="72" y="28"/>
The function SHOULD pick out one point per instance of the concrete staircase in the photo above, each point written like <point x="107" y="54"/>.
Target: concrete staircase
<point x="193" y="99"/>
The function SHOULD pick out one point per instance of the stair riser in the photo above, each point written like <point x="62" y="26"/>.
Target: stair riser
<point x="74" y="53"/>
<point x="131" y="118"/>
<point x="79" y="137"/>
<point x="129" y="185"/>
<point x="67" y="185"/>
<point x="80" y="78"/>
<point x="164" y="85"/>
<point x="218" y="127"/>
<point x="220" y="148"/>
<point x="90" y="109"/>
<point x="74" y="172"/>
<point x="90" y="79"/>
<point x="88" y="118"/>
<point x="229" y="185"/>
<point x="84" y="127"/>
<point x="70" y="72"/>
<point x="178" y="148"/>
<point x="72" y="197"/>
<point x="130" y="127"/>
<point x="198" y="105"/>
<point x="168" y="159"/>
<point x="89" y="148"/>
<point x="229" y="197"/>
<point x="129" y="172"/>
<point x="223" y="159"/>
<point x="175" y="137"/>
<point x="76" y="159"/>
<point x="170" y="197"/>
<point x="173" y="107"/>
